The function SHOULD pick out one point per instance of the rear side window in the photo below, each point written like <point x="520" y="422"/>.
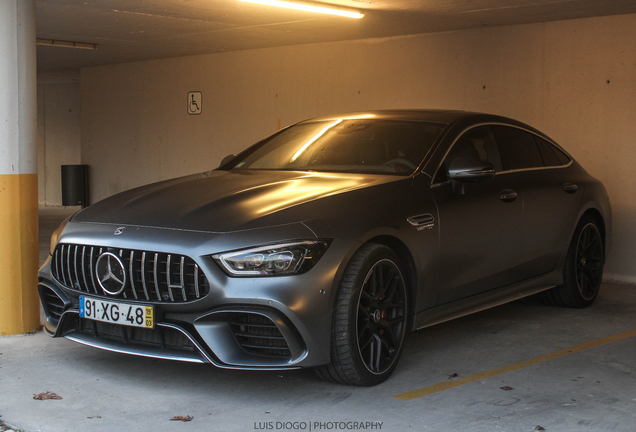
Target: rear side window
<point x="507" y="148"/>
<point x="552" y="156"/>
<point x="518" y="148"/>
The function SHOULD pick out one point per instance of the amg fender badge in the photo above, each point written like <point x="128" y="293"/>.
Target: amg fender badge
<point x="421" y="222"/>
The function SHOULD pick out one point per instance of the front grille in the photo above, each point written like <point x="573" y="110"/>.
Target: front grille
<point x="159" y="337"/>
<point x="53" y="305"/>
<point x="151" y="276"/>
<point x="257" y="334"/>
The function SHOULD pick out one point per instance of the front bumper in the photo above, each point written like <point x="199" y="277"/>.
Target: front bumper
<point x="235" y="338"/>
<point x="242" y="323"/>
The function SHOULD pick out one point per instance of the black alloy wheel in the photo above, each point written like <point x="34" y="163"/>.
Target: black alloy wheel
<point x="583" y="272"/>
<point x="381" y="316"/>
<point x="589" y="261"/>
<point x="369" y="319"/>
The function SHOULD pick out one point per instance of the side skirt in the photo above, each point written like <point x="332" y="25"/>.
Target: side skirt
<point x="487" y="300"/>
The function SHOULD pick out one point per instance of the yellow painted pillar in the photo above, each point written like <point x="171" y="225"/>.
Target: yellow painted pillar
<point x="19" y="303"/>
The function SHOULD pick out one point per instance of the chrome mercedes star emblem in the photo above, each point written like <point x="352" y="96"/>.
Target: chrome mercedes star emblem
<point x="119" y="231"/>
<point x="111" y="274"/>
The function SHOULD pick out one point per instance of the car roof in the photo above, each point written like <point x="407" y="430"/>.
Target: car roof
<point x="441" y="116"/>
<point x="431" y="115"/>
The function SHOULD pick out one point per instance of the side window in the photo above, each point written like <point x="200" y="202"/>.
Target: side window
<point x="552" y="156"/>
<point x="518" y="148"/>
<point x="476" y="143"/>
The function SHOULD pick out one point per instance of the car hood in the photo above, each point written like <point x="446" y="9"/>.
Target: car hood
<point x="225" y="201"/>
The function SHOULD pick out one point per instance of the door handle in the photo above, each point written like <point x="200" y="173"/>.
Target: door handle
<point x="508" y="195"/>
<point x="570" y="187"/>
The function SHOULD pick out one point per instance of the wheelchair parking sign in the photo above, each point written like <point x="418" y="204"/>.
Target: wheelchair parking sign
<point x="194" y="103"/>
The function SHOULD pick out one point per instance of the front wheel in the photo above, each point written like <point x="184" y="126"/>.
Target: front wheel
<point x="583" y="271"/>
<point x="369" y="320"/>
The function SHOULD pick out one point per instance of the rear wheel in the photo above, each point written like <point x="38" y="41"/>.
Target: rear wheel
<point x="583" y="271"/>
<point x="369" y="320"/>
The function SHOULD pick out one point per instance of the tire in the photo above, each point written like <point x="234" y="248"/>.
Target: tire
<point x="583" y="270"/>
<point x="369" y="321"/>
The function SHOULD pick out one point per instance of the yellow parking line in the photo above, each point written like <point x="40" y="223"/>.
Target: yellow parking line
<point x="425" y="391"/>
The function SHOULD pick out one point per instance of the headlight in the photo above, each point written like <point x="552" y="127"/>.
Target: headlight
<point x="55" y="237"/>
<point x="273" y="260"/>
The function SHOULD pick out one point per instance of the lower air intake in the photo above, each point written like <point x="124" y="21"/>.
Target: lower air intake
<point x="258" y="335"/>
<point x="52" y="304"/>
<point x="158" y="337"/>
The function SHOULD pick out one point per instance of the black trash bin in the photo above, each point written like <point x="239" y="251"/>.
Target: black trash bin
<point x="75" y="185"/>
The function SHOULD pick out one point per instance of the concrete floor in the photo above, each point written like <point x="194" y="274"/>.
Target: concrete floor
<point x="593" y="388"/>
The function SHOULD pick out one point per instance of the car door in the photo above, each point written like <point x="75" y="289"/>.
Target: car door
<point x="551" y="196"/>
<point x="479" y="228"/>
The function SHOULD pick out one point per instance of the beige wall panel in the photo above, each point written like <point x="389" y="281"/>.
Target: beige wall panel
<point x="58" y="136"/>
<point x="136" y="130"/>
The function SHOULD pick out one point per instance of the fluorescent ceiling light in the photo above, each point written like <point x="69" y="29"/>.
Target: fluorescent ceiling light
<point x="310" y="7"/>
<point x="66" y="44"/>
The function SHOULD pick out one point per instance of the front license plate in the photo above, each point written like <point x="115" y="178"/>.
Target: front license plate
<point x="117" y="313"/>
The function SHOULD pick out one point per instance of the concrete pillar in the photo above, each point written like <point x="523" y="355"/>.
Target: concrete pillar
<point x="19" y="304"/>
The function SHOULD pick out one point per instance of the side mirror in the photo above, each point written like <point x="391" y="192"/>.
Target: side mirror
<point x="227" y="159"/>
<point x="469" y="170"/>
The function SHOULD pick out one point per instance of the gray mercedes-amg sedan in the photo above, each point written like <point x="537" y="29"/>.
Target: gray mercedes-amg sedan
<point x="323" y="244"/>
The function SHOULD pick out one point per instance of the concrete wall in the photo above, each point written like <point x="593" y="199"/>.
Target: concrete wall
<point x="58" y="132"/>
<point x="575" y="80"/>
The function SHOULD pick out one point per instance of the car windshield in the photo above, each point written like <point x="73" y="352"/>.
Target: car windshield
<point x="353" y="146"/>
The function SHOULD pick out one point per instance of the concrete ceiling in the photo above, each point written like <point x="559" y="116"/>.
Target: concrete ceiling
<point x="132" y="30"/>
